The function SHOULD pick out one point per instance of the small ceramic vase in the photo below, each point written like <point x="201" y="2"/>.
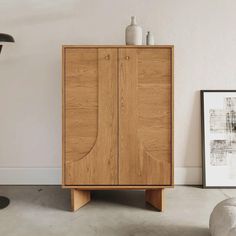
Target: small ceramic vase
<point x="149" y="38"/>
<point x="133" y="33"/>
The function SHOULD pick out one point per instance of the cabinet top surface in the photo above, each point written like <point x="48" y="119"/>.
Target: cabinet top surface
<point x="117" y="46"/>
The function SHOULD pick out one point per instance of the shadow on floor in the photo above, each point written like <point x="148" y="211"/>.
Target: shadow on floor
<point x="57" y="198"/>
<point x="125" y="214"/>
<point x="130" y="198"/>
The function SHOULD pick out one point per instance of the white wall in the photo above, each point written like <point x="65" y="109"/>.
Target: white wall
<point x="202" y="31"/>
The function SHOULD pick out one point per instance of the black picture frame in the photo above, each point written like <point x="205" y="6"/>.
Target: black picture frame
<point x="202" y="102"/>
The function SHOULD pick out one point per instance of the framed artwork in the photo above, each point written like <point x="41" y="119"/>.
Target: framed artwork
<point x="218" y="117"/>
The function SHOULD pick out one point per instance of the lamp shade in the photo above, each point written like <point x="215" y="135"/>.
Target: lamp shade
<point x="6" y="38"/>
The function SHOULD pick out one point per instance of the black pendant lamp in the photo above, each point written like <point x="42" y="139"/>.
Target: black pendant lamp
<point x="4" y="201"/>
<point x="5" y="38"/>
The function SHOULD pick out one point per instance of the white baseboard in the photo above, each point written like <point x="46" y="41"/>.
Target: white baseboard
<point x="188" y="175"/>
<point x="30" y="176"/>
<point x="52" y="176"/>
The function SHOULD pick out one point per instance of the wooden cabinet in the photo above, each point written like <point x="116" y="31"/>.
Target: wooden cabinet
<point x="117" y="120"/>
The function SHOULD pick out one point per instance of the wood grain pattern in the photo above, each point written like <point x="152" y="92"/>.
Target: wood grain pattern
<point x="115" y="187"/>
<point x="81" y="99"/>
<point x="172" y="116"/>
<point x="155" y="198"/>
<point x="90" y="116"/>
<point x="90" y="119"/>
<point x="145" y="89"/>
<point x="79" y="198"/>
<point x="118" y="46"/>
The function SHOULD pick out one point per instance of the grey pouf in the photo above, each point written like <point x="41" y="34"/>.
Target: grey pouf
<point x="223" y="218"/>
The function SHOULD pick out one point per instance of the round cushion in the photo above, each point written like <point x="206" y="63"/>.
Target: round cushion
<point x="223" y="218"/>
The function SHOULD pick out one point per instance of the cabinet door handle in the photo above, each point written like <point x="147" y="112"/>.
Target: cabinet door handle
<point x="127" y="58"/>
<point x="107" y="57"/>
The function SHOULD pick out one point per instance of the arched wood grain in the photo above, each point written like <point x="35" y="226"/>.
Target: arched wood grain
<point x="97" y="162"/>
<point x="81" y="100"/>
<point x="145" y="120"/>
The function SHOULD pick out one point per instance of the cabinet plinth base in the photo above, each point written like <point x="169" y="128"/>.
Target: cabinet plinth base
<point x="155" y="198"/>
<point x="79" y="198"/>
<point x="152" y="196"/>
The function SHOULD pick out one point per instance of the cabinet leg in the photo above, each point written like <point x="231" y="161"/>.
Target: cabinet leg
<point x="79" y="198"/>
<point x="155" y="198"/>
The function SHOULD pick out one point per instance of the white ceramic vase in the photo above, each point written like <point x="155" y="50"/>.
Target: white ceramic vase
<point x="133" y="33"/>
<point x="149" y="38"/>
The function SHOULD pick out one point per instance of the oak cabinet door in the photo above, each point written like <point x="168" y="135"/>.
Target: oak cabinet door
<point x="90" y="116"/>
<point x="145" y="130"/>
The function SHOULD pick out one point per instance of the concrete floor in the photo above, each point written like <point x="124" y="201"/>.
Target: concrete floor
<point x="44" y="210"/>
